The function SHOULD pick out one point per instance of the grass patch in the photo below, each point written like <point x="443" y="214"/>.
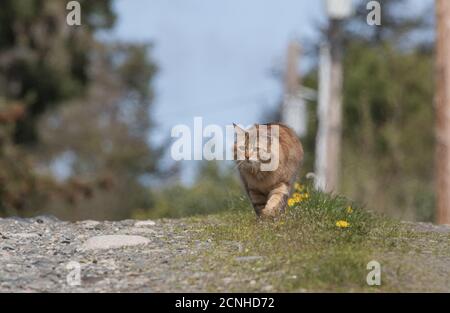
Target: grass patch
<point x="306" y="249"/>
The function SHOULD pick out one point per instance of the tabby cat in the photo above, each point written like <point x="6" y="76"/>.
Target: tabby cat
<point x="268" y="188"/>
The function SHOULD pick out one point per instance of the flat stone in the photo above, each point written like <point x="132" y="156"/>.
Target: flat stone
<point x="144" y="223"/>
<point x="113" y="242"/>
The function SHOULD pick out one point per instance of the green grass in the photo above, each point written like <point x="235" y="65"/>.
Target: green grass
<point x="304" y="250"/>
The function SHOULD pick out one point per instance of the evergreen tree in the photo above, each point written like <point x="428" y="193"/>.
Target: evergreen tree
<point x="68" y="98"/>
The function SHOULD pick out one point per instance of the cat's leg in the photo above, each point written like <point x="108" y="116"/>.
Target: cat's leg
<point x="258" y="201"/>
<point x="277" y="200"/>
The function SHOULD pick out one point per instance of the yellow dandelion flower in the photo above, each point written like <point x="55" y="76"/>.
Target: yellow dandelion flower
<point x="297" y="197"/>
<point x="291" y="202"/>
<point x="349" y="209"/>
<point x="306" y="195"/>
<point x="342" y="224"/>
<point x="298" y="186"/>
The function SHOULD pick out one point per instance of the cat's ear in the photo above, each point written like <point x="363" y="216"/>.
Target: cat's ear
<point x="237" y="128"/>
<point x="240" y="133"/>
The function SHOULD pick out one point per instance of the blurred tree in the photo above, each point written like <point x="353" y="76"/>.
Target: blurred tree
<point x="388" y="130"/>
<point x="103" y="137"/>
<point x="37" y="43"/>
<point x="18" y="185"/>
<point x="97" y="141"/>
<point x="388" y="112"/>
<point x="43" y="61"/>
<point x="398" y="23"/>
<point x="388" y="140"/>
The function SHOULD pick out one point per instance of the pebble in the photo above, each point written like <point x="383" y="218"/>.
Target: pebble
<point x="89" y="224"/>
<point x="144" y="223"/>
<point x="267" y="288"/>
<point x="24" y="235"/>
<point x="113" y="242"/>
<point x="227" y="280"/>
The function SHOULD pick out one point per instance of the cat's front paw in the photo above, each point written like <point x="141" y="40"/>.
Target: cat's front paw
<point x="268" y="212"/>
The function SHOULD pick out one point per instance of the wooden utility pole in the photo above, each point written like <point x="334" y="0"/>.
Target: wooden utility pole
<point x="292" y="78"/>
<point x="321" y="158"/>
<point x="328" y="141"/>
<point x="335" y="108"/>
<point x="443" y="111"/>
<point x="293" y="108"/>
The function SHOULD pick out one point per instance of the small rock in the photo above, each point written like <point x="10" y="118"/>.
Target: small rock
<point x="267" y="288"/>
<point x="24" y="235"/>
<point x="113" y="241"/>
<point x="46" y="219"/>
<point x="144" y="223"/>
<point x="109" y="264"/>
<point x="227" y="280"/>
<point x="88" y="224"/>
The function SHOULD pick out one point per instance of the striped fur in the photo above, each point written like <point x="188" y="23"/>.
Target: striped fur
<point x="268" y="191"/>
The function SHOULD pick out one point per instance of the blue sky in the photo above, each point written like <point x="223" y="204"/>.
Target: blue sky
<point x="215" y="56"/>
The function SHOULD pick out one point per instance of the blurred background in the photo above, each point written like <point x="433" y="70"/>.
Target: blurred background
<point x="86" y="111"/>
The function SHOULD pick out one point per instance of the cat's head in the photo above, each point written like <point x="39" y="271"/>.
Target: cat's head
<point x="256" y="148"/>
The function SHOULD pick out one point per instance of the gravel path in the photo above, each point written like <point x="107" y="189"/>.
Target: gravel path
<point x="43" y="255"/>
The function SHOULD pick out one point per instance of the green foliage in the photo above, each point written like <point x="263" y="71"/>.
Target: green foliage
<point x="36" y="43"/>
<point x="388" y="138"/>
<point x="388" y="119"/>
<point x="19" y="188"/>
<point x="215" y="189"/>
<point x="106" y="134"/>
<point x="397" y="24"/>
<point x="43" y="62"/>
